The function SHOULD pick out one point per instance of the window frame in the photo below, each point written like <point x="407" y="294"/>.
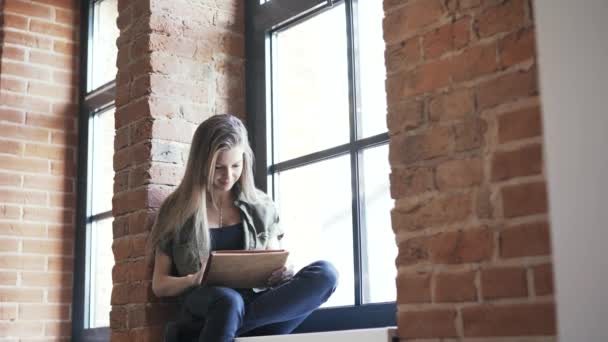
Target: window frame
<point x="261" y="20"/>
<point x="91" y="103"/>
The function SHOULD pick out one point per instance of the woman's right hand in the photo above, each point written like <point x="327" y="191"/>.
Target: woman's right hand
<point x="197" y="278"/>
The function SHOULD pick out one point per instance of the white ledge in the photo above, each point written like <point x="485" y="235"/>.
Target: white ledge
<point x="359" y="335"/>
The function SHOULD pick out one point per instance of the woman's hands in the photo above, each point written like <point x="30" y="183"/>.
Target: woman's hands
<point x="280" y="275"/>
<point x="195" y="279"/>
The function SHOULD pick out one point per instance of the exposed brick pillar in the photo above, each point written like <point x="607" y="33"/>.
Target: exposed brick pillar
<point x="178" y="63"/>
<point x="38" y="142"/>
<point x="467" y="173"/>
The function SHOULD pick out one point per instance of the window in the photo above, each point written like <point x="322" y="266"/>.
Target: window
<point x="317" y="113"/>
<point x="94" y="259"/>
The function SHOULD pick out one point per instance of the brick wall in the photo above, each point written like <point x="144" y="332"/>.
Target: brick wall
<point x="38" y="139"/>
<point x="467" y="175"/>
<point x="178" y="63"/>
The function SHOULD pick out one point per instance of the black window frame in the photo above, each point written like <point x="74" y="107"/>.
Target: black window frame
<point x="91" y="103"/>
<point x="261" y="20"/>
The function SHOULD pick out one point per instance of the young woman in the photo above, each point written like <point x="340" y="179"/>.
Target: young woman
<point x="216" y="207"/>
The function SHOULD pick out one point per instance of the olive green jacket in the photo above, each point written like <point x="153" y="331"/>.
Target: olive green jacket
<point x="261" y="231"/>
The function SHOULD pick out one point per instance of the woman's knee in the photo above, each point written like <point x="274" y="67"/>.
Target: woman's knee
<point x="215" y="298"/>
<point x="227" y="298"/>
<point x="325" y="272"/>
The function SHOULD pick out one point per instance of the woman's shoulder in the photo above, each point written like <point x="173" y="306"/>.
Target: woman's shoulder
<point x="261" y="204"/>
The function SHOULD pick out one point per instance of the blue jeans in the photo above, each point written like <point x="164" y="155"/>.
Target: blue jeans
<point x="229" y="313"/>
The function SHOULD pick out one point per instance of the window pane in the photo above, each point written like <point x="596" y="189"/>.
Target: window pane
<point x="316" y="213"/>
<point x="371" y="68"/>
<point x="102" y="260"/>
<point x="310" y="86"/>
<point x="380" y="250"/>
<point x="102" y="171"/>
<point x="103" y="52"/>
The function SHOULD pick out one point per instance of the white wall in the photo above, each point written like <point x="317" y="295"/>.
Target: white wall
<point x="572" y="40"/>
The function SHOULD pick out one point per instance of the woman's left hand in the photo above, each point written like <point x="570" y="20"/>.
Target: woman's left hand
<point x="280" y="275"/>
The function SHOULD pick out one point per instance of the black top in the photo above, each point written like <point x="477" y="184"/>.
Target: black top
<point x="227" y="237"/>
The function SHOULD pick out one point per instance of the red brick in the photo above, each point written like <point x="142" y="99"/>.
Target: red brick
<point x="7" y="278"/>
<point x="468" y="4"/>
<point x="10" y="147"/>
<point x="11" y="115"/>
<point x="51" y="29"/>
<point x="9" y="245"/>
<point x="59" y="295"/>
<point x="505" y="282"/>
<point x="27" y="8"/>
<point x="421" y="214"/>
<point x="520" y="124"/>
<point x="66" y="109"/>
<point x="527" y="239"/>
<point x="63" y="169"/>
<point x="454" y="105"/>
<point x="424" y="78"/>
<point x="66" y="17"/>
<point x="44" y="312"/>
<point x="469" y="245"/>
<point x="118" y="318"/>
<point x="22" y="262"/>
<point x="413" y="288"/>
<point x="431" y="143"/>
<point x="524" y="199"/>
<point x="27" y="39"/>
<point x="543" y="279"/>
<point x="452" y="36"/>
<point x="10" y="179"/>
<point x="474" y="62"/>
<point x="23" y="229"/>
<point x="54" y="60"/>
<point x="411" y="181"/>
<point x="54" y="91"/>
<point x="525" y="161"/>
<point x="65" y="78"/>
<point x="408" y="20"/>
<point x="455" y="287"/>
<point x="412" y="251"/>
<point x="23" y="197"/>
<point x="25" y="70"/>
<point x="64" y="139"/>
<point x="21" y="328"/>
<point x="9" y="212"/>
<point x="66" y="48"/>
<point x="48" y="152"/>
<point x="517" y="47"/>
<point x="13" y="53"/>
<point x="52" y="215"/>
<point x="15" y="21"/>
<point x="507" y="88"/>
<point x="60" y="264"/>
<point x="62" y="184"/>
<point x="13" y="85"/>
<point x="469" y="134"/>
<point x="62" y="200"/>
<point x="48" y="247"/>
<point x="456" y="174"/>
<point x="505" y="17"/>
<point x="404" y="116"/>
<point x="427" y="324"/>
<point x="68" y="4"/>
<point x="50" y="121"/>
<point x="141" y="221"/>
<point x="63" y="232"/>
<point x="46" y="279"/>
<point x="63" y="329"/>
<point x="25" y="102"/>
<point x="509" y="320"/>
<point x="24" y="164"/>
<point x="402" y="55"/>
<point x="20" y="295"/>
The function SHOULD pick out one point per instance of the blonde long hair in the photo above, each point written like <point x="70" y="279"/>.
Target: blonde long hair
<point x="189" y="199"/>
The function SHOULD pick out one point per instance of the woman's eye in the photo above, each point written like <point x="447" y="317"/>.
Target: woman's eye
<point x="235" y="166"/>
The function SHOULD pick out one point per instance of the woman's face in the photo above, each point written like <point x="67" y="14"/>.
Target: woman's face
<point x="228" y="168"/>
